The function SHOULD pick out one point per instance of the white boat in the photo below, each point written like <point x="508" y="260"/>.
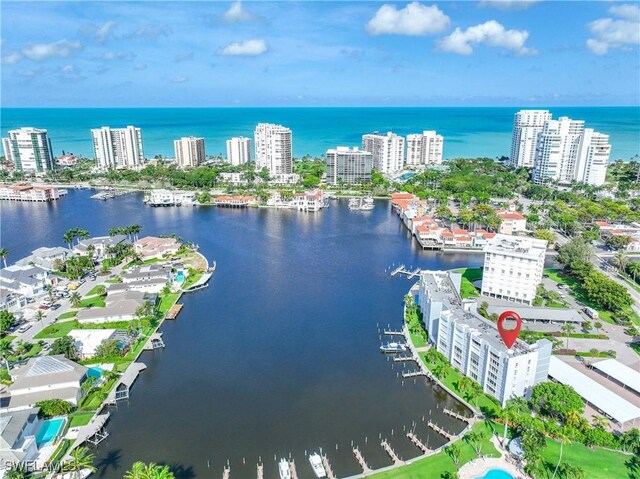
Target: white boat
<point x="393" y="347"/>
<point x="316" y="464"/>
<point x="354" y="203"/>
<point x="284" y="469"/>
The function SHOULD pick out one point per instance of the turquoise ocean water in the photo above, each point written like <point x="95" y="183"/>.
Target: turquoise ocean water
<point x="468" y="132"/>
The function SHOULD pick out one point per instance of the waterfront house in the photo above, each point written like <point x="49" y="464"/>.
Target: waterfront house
<point x="87" y="341"/>
<point x="151" y="278"/>
<point x="163" y="197"/>
<point x="18" y="431"/>
<point x="12" y="302"/>
<point x="100" y="244"/>
<point x="312" y="200"/>
<point x="45" y="257"/>
<point x="41" y="378"/>
<point x="29" y="281"/>
<point x="154" y="247"/>
<point x="120" y="305"/>
<point x="234" y="201"/>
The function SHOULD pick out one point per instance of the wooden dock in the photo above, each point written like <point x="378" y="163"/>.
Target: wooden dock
<point x="365" y="467"/>
<point x="419" y="444"/>
<point x="391" y="332"/>
<point x="174" y="311"/>
<point x="392" y="454"/>
<point x="398" y="270"/>
<point x="441" y="431"/>
<point x="413" y="374"/>
<point x="456" y="415"/>
<point x="402" y="270"/>
<point x="327" y="467"/>
<point x="401" y="359"/>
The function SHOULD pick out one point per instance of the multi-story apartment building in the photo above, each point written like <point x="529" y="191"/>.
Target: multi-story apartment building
<point x="239" y="150"/>
<point x="557" y="150"/>
<point x="472" y="344"/>
<point x="593" y="158"/>
<point x="29" y="149"/>
<point x="513" y="267"/>
<point x="189" y="151"/>
<point x="273" y="148"/>
<point x="350" y="166"/>
<point x="527" y="124"/>
<point x="424" y="148"/>
<point x="117" y="148"/>
<point x="387" y="151"/>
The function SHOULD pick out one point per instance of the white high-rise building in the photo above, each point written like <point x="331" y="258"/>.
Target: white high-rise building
<point x="424" y="148"/>
<point x="513" y="268"/>
<point x="527" y="124"/>
<point x="472" y="344"/>
<point x="352" y="166"/>
<point x="117" y="147"/>
<point x="239" y="150"/>
<point x="273" y="148"/>
<point x="387" y="151"/>
<point x="189" y="151"/>
<point x="593" y="158"/>
<point x="29" y="149"/>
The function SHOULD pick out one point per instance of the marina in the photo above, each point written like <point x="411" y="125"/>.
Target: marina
<point x="109" y="194"/>
<point x="361" y="204"/>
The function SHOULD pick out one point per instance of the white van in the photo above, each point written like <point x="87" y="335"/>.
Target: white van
<point x="592" y="313"/>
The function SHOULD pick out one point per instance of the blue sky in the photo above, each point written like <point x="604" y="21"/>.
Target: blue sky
<point x="321" y="53"/>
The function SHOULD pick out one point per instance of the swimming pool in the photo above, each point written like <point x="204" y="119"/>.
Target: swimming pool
<point x="496" y="474"/>
<point x="180" y="277"/>
<point x="49" y="431"/>
<point x="95" y="372"/>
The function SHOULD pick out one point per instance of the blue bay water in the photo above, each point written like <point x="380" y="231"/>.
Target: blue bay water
<point x="468" y="132"/>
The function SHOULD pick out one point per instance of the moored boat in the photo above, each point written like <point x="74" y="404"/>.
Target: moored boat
<point x="284" y="469"/>
<point x="316" y="463"/>
<point x="393" y="347"/>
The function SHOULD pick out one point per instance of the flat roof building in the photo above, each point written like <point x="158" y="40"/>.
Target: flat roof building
<point x="513" y="268"/>
<point x="239" y="150"/>
<point x="189" y="151"/>
<point x="29" y="149"/>
<point x="349" y="166"/>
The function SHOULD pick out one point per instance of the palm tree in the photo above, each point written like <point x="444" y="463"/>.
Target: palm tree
<point x="68" y="237"/>
<point x="440" y="370"/>
<point x="633" y="268"/>
<point x="81" y="234"/>
<point x="49" y="289"/>
<point x="134" y="230"/>
<point x="6" y="350"/>
<point x="621" y="260"/>
<point x="567" y="329"/>
<point x="563" y="439"/>
<point x="80" y="458"/>
<point x="17" y="471"/>
<point x="40" y="316"/>
<point x="140" y="470"/>
<point x="600" y="422"/>
<point x="75" y="299"/>
<point x="4" y="252"/>
<point x="598" y="326"/>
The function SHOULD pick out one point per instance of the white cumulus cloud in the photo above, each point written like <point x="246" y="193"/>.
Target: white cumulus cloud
<point x="42" y="51"/>
<point x="507" y="4"/>
<point x="414" y="19"/>
<point x="621" y="32"/>
<point x="248" y="48"/>
<point x="237" y="14"/>
<point x="11" y="58"/>
<point x="490" y="33"/>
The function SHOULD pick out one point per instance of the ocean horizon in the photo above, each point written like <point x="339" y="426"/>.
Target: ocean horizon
<point x="468" y="131"/>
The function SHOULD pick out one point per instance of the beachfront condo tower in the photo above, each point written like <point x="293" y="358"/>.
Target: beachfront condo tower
<point x="387" y="151"/>
<point x="239" y="150"/>
<point x="424" y="148"/>
<point x="117" y="148"/>
<point x="348" y="166"/>
<point x="189" y="151"/>
<point x="29" y="149"/>
<point x="527" y="125"/>
<point x="273" y="148"/>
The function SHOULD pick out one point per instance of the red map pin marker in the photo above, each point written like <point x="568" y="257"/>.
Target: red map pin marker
<point x="509" y="336"/>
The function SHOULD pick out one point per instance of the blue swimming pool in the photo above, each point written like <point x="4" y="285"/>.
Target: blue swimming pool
<point x="496" y="474"/>
<point x="95" y="372"/>
<point x="49" y="431"/>
<point x="180" y="277"/>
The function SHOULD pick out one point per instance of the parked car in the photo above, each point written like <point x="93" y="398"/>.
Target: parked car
<point x="55" y="306"/>
<point x="44" y="307"/>
<point x="24" y="328"/>
<point x="46" y="347"/>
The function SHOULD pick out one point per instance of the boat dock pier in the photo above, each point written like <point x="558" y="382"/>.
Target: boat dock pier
<point x="327" y="467"/>
<point x="401" y="359"/>
<point x="292" y="469"/>
<point x="441" y="431"/>
<point x="391" y="332"/>
<point x="399" y="269"/>
<point x="413" y="374"/>
<point x="365" y="468"/>
<point x="456" y="415"/>
<point x="123" y="386"/>
<point x="155" y="342"/>
<point x="419" y="444"/>
<point x="394" y="457"/>
<point x="402" y="270"/>
<point x="202" y="283"/>
<point x="108" y="194"/>
<point x="174" y="311"/>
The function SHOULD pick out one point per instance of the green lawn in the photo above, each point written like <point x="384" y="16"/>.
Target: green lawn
<point x="57" y="330"/>
<point x="93" y="302"/>
<point x="167" y="301"/>
<point x="35" y="349"/>
<point x="436" y="465"/>
<point x="67" y="315"/>
<point x="93" y="291"/>
<point x="113" y="281"/>
<point x="191" y="280"/>
<point x="80" y="419"/>
<point x="469" y="275"/>
<point x="597" y="463"/>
